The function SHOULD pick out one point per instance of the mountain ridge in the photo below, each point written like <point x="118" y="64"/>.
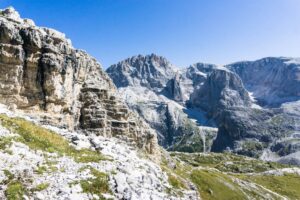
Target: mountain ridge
<point x="185" y="88"/>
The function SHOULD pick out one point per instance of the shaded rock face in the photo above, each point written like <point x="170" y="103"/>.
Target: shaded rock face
<point x="44" y="75"/>
<point x="273" y="81"/>
<point x="222" y="89"/>
<point x="150" y="71"/>
<point x="243" y="128"/>
<point x="227" y="102"/>
<point x="173" y="89"/>
<point x="190" y="79"/>
<point x="250" y="131"/>
<point x="185" y="81"/>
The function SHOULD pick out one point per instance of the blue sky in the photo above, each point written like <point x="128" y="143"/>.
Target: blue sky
<point x="184" y="31"/>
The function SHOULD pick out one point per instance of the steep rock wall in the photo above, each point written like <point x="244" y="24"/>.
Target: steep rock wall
<point x="42" y="74"/>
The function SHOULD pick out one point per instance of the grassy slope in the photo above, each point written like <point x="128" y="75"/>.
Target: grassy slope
<point x="38" y="138"/>
<point x="227" y="176"/>
<point x="287" y="185"/>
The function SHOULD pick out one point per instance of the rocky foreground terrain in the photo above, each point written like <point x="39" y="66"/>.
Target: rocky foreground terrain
<point x="65" y="134"/>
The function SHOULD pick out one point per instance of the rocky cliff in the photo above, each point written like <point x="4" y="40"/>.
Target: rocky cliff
<point x="272" y="80"/>
<point x="243" y="126"/>
<point x="44" y="75"/>
<point x="222" y="89"/>
<point x="163" y="105"/>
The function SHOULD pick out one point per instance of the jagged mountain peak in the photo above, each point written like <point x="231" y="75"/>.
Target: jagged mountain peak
<point x="150" y="71"/>
<point x="150" y="58"/>
<point x="11" y="14"/>
<point x="10" y="19"/>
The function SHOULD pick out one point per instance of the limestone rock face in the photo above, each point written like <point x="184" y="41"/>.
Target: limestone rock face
<point x="157" y="91"/>
<point x="174" y="90"/>
<point x="272" y="81"/>
<point x="221" y="90"/>
<point x="243" y="127"/>
<point x="150" y="71"/>
<point x="193" y="77"/>
<point x="42" y="74"/>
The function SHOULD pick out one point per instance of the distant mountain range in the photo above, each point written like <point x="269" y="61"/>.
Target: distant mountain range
<point x="250" y="108"/>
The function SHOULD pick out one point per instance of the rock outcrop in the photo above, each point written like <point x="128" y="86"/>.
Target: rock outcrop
<point x="44" y="75"/>
<point x="173" y="89"/>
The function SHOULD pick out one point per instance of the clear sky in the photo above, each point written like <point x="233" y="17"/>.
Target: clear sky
<point x="184" y="31"/>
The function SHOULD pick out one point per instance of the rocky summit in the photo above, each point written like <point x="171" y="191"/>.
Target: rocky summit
<point x="142" y="129"/>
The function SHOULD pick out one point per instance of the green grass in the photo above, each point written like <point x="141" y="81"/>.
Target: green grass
<point x="215" y="175"/>
<point x="10" y="176"/>
<point x="15" y="191"/>
<point x="175" y="182"/>
<point x="177" y="177"/>
<point x="189" y="142"/>
<point x="40" y="187"/>
<point x="211" y="185"/>
<point x="41" y="169"/>
<point x="15" y="188"/>
<point x="226" y="162"/>
<point x="286" y="185"/>
<point x="39" y="138"/>
<point x="96" y="185"/>
<point x="5" y="142"/>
